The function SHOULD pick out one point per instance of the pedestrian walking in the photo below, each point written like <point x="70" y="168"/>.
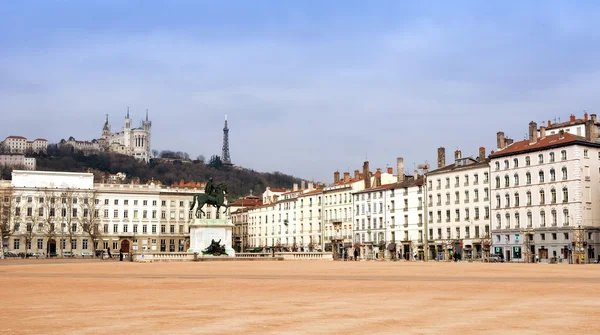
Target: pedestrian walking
<point x="108" y="251"/>
<point x="120" y="255"/>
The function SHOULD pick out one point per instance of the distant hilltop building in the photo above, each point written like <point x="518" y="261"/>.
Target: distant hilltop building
<point x="18" y="161"/>
<point x="129" y="141"/>
<point x="20" y="145"/>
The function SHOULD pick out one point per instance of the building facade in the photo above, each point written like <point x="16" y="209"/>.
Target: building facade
<point x="545" y="195"/>
<point x="54" y="212"/>
<point x="18" y="161"/>
<point x="458" y="207"/>
<point x="129" y="141"/>
<point x="20" y="145"/>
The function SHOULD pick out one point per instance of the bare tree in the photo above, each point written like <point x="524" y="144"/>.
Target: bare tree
<point x="7" y="213"/>
<point x="35" y="227"/>
<point x="69" y="214"/>
<point x="90" y="221"/>
<point x="486" y="246"/>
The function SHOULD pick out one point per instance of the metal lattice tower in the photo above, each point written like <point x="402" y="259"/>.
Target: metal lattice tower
<point x="225" y="155"/>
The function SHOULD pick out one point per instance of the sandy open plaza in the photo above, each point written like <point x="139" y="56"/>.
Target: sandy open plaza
<point x="302" y="297"/>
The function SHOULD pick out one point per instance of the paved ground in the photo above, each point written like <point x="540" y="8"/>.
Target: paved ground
<point x="320" y="297"/>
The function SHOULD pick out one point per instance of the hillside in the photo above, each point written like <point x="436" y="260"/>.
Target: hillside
<point x="239" y="181"/>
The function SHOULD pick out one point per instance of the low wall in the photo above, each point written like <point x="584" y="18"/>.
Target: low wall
<point x="305" y="256"/>
<point x="163" y="257"/>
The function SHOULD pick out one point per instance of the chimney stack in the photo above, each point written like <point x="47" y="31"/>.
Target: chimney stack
<point x="532" y="132"/>
<point x="366" y="175"/>
<point x="542" y="132"/>
<point x="346" y="177"/>
<point x="311" y="186"/>
<point x="303" y="184"/>
<point x="590" y="131"/>
<point x="377" y="179"/>
<point x="585" y="116"/>
<point x="572" y="118"/>
<point x="500" y="140"/>
<point x="457" y="155"/>
<point x="549" y="123"/>
<point x="400" y="168"/>
<point x="593" y="116"/>
<point x="561" y="134"/>
<point x="356" y="175"/>
<point x="336" y="177"/>
<point x="295" y="187"/>
<point x="416" y="174"/>
<point x="441" y="157"/>
<point x="390" y="170"/>
<point x="481" y="154"/>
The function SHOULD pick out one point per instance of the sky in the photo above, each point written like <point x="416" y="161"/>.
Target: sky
<point x="309" y="87"/>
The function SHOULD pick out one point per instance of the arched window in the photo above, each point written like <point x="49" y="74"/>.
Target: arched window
<point x="497" y="200"/>
<point x="541" y="158"/>
<point x="541" y="174"/>
<point x="542" y="197"/>
<point x="565" y="217"/>
<point x="528" y="198"/>
<point x="529" y="220"/>
<point x="517" y="220"/>
<point x="527" y="161"/>
<point x="551" y="157"/>
<point x="564" y="173"/>
<point x="563" y="155"/>
<point x="498" y="221"/>
<point x="552" y="196"/>
<point x="516" y="199"/>
<point x="565" y="194"/>
<point x="497" y="182"/>
<point x="497" y="165"/>
<point x="506" y="164"/>
<point x="552" y="175"/>
<point x="516" y="163"/>
<point x="542" y="218"/>
<point x="516" y="176"/>
<point x="507" y="220"/>
<point x="506" y="181"/>
<point x="553" y="214"/>
<point x="528" y="177"/>
<point x="507" y="199"/>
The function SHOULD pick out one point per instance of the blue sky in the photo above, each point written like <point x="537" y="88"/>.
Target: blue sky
<point x="310" y="87"/>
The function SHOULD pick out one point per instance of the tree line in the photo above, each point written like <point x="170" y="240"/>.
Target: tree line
<point x="169" y="171"/>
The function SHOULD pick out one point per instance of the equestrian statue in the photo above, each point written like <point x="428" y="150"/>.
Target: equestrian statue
<point x="212" y="196"/>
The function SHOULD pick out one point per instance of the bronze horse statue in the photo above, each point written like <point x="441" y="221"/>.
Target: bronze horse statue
<point x="216" y="199"/>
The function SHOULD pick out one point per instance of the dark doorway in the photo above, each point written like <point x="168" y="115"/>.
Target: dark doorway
<point x="125" y="245"/>
<point x="508" y="255"/>
<point x="52" y="247"/>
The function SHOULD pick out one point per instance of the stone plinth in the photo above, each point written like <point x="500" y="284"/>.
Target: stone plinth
<point x="203" y="231"/>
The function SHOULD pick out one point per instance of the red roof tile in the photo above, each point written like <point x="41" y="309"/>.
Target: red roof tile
<point x="17" y="137"/>
<point x="540" y="144"/>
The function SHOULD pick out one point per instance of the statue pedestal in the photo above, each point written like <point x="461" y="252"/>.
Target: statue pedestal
<point x="203" y="231"/>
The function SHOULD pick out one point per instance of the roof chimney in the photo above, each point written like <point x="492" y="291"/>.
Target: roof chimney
<point x="500" y="140"/>
<point x="346" y="177"/>
<point x="295" y="187"/>
<point x="416" y="174"/>
<point x="549" y="123"/>
<point x="481" y="154"/>
<point x="356" y="175"/>
<point x="585" y="116"/>
<point x="336" y="177"/>
<point x="400" y="168"/>
<point x="542" y="132"/>
<point x="366" y="175"/>
<point x="303" y="184"/>
<point x="561" y="134"/>
<point x="377" y="179"/>
<point x="441" y="157"/>
<point x="590" y="131"/>
<point x="572" y="118"/>
<point x="593" y="117"/>
<point x="532" y="132"/>
<point x="390" y="170"/>
<point x="457" y="155"/>
<point x="311" y="185"/>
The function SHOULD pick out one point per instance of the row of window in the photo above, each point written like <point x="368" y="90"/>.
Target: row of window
<point x="542" y="198"/>
<point x="457" y="181"/>
<point x="457" y="216"/>
<point x="540" y="160"/>
<point x="467" y="197"/>
<point x="516" y="219"/>
<point x="75" y="200"/>
<point x="541" y="178"/>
